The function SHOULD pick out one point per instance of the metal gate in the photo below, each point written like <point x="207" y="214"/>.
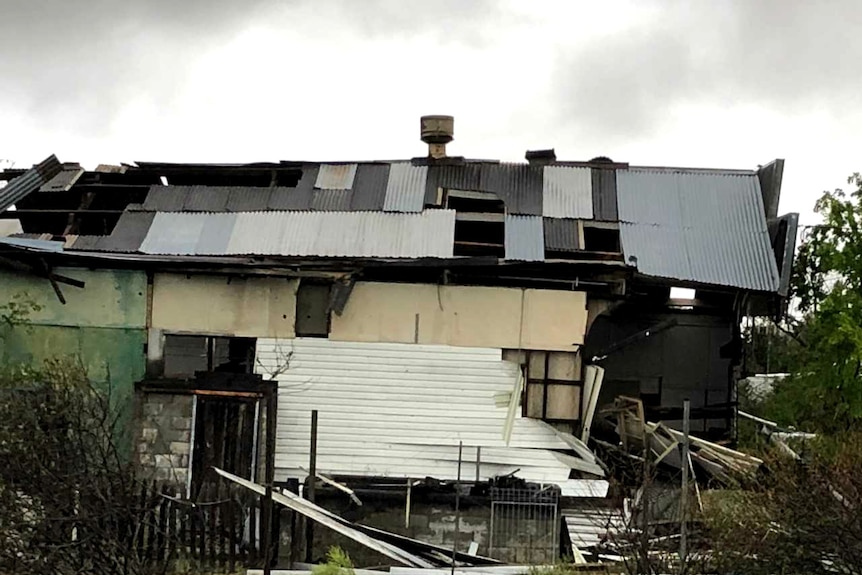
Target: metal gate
<point x="525" y="525"/>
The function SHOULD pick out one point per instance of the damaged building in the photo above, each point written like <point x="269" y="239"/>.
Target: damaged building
<point x="442" y="317"/>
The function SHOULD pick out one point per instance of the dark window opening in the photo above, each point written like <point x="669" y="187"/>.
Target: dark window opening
<point x="478" y="238"/>
<point x="475" y="204"/>
<point x="186" y="355"/>
<point x="546" y="398"/>
<point x="312" y="309"/>
<point x="601" y="239"/>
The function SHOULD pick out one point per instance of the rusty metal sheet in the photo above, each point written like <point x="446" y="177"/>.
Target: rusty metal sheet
<point x="335" y="177"/>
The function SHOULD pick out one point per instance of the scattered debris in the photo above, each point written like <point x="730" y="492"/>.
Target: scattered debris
<point x="718" y="462"/>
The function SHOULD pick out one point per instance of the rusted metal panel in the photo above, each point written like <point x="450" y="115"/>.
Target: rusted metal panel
<point x="605" y="195"/>
<point x="335" y="177"/>
<point x="518" y="185"/>
<point x="561" y="235"/>
<point x="405" y="190"/>
<point x="369" y="187"/>
<point x="696" y="225"/>
<point x="567" y="192"/>
<point x="524" y="238"/>
<point x="29" y="182"/>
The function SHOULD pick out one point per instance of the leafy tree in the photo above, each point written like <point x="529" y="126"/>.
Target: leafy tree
<point x="825" y="392"/>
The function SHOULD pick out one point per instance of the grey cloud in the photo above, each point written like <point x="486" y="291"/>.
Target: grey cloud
<point x="791" y="56"/>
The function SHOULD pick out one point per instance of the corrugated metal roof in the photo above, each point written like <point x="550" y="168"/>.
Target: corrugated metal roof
<point x="561" y="235"/>
<point x="369" y="187"/>
<point x="590" y="527"/>
<point x="29" y="182"/>
<point x="331" y="200"/>
<point x="399" y="410"/>
<point x="518" y="185"/>
<point x="452" y="177"/>
<point x="700" y="226"/>
<point x="166" y="198"/>
<point x="247" y="199"/>
<point x="64" y="180"/>
<point x="335" y="176"/>
<point x="205" y="198"/>
<point x="524" y="238"/>
<point x="324" y="234"/>
<point x="567" y="192"/>
<point x="130" y="231"/>
<point x="405" y="190"/>
<point x="605" y="195"/>
<point x="298" y="198"/>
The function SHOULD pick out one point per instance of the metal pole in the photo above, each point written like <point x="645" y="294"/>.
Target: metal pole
<point x="312" y="479"/>
<point x="478" y="462"/>
<point x="683" y="496"/>
<point x="457" y="506"/>
<point x="269" y="472"/>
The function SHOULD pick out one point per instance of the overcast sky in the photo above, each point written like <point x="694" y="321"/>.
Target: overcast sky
<point x="729" y="84"/>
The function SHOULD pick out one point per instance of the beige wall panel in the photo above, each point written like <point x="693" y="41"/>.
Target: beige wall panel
<point x="467" y="316"/>
<point x="565" y="366"/>
<point x="217" y="305"/>
<point x="564" y="402"/>
<point x="554" y="320"/>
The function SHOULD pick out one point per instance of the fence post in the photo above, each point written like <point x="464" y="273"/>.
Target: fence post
<point x="271" y="415"/>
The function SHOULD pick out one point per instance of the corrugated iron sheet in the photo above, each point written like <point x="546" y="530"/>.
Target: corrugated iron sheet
<point x="127" y="235"/>
<point x="701" y="226"/>
<point x="591" y="526"/>
<point x="205" y="198"/>
<point x="331" y="200"/>
<point x="452" y="177"/>
<point x="405" y="190"/>
<point x="524" y="238"/>
<point x="369" y="187"/>
<point x="64" y="180"/>
<point x="298" y="198"/>
<point x="399" y="410"/>
<point x="605" y="195"/>
<point x="323" y="234"/>
<point x="247" y="199"/>
<point x="518" y="185"/>
<point x="166" y="198"/>
<point x="561" y="235"/>
<point x="29" y="182"/>
<point x="567" y="192"/>
<point x="335" y="176"/>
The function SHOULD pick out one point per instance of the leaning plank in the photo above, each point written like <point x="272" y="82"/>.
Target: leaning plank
<point x="394" y="538"/>
<point x="319" y="515"/>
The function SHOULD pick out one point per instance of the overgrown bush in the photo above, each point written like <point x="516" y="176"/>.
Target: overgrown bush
<point x="70" y="500"/>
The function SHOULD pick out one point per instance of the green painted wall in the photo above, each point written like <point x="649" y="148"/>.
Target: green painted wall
<point x="102" y="324"/>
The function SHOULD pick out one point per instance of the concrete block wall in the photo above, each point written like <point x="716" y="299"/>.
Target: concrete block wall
<point x="164" y="443"/>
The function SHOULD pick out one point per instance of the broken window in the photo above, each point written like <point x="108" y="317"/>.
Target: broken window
<point x="187" y="354"/>
<point x="312" y="309"/>
<point x="602" y="237"/>
<point x="553" y="391"/>
<point x="479" y="223"/>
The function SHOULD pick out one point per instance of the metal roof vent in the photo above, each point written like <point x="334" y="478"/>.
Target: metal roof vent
<point x="437" y="131"/>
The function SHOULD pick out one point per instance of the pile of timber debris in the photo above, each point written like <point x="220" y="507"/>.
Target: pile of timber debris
<point x="717" y="462"/>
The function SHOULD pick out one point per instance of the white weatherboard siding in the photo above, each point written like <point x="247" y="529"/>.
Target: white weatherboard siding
<point x="399" y="410"/>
